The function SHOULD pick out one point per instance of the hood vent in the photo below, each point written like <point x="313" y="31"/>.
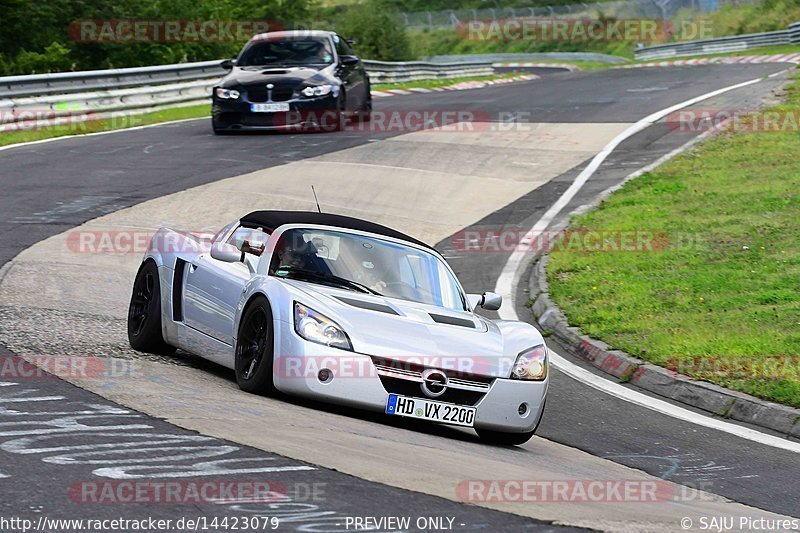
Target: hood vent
<point x="371" y="306"/>
<point x="453" y="321"/>
<point x="274" y="71"/>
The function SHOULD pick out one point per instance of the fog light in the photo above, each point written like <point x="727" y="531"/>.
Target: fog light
<point x="522" y="409"/>
<point x="325" y="375"/>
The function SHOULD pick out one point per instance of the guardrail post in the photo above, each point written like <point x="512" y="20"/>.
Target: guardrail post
<point x="794" y="32"/>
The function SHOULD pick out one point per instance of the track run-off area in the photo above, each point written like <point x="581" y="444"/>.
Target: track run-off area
<point x="529" y="159"/>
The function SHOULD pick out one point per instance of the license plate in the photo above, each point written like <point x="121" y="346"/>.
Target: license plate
<point x="269" y="108"/>
<point x="446" y="413"/>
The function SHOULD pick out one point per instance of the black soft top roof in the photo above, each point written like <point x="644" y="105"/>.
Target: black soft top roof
<point x="272" y="220"/>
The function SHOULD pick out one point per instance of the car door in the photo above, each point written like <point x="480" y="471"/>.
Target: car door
<point x="213" y="288"/>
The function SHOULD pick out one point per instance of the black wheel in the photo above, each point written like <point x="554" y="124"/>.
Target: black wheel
<point x="366" y="111"/>
<point x="341" y="113"/>
<point x="254" y="347"/>
<point x="144" y="312"/>
<point x="217" y="130"/>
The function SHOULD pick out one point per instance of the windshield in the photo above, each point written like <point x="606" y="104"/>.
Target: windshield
<point x="287" y="52"/>
<point x="367" y="265"/>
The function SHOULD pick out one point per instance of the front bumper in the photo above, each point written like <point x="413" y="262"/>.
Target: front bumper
<point x="357" y="382"/>
<point x="319" y="114"/>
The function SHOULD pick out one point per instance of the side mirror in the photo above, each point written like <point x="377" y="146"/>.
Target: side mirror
<point x="490" y="301"/>
<point x="349" y="60"/>
<point x="227" y="253"/>
<point x="227" y="64"/>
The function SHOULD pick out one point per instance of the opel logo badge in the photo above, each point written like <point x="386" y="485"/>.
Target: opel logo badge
<point x="434" y="383"/>
<point x="270" y="86"/>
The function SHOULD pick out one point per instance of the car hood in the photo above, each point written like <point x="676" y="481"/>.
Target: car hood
<point x="277" y="75"/>
<point x="400" y="330"/>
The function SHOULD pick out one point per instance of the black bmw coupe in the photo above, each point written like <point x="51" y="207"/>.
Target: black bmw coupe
<point x="291" y="80"/>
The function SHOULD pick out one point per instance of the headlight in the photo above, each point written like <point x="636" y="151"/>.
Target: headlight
<point x="227" y="94"/>
<point x="318" y="328"/>
<point x="317" y="90"/>
<point x="531" y="364"/>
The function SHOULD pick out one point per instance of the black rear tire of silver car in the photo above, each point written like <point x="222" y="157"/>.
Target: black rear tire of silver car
<point x="254" y="348"/>
<point x="144" y="312"/>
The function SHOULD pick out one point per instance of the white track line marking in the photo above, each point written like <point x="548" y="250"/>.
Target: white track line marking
<point x="629" y="395"/>
<point x="506" y="283"/>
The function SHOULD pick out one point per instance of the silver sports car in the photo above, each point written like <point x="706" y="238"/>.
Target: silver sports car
<point x="345" y="311"/>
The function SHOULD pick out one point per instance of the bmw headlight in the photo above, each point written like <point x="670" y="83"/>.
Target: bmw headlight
<point x="316" y="327"/>
<point x="317" y="90"/>
<point x="227" y="94"/>
<point x="531" y="364"/>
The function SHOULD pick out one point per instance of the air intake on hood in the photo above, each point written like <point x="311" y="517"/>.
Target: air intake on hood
<point x="453" y="321"/>
<point x="274" y="71"/>
<point x="372" y="306"/>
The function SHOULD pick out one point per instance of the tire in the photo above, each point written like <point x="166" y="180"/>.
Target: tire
<point x="254" y="349"/>
<point x="216" y="130"/>
<point x="341" y="110"/>
<point x="144" y="312"/>
<point x="366" y="112"/>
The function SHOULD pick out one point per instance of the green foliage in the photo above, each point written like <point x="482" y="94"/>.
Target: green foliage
<point x="55" y="58"/>
<point x="35" y="36"/>
<point x="377" y="31"/>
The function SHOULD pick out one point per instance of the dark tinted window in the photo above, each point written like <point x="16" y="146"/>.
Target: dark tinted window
<point x="342" y="48"/>
<point x="287" y="52"/>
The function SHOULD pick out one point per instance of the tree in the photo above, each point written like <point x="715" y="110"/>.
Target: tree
<point x="377" y="31"/>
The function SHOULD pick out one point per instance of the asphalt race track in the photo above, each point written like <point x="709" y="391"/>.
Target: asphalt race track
<point x="51" y="453"/>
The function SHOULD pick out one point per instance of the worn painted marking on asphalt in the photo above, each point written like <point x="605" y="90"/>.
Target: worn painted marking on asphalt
<point x="84" y="203"/>
<point x="123" y="450"/>
<point x="506" y="283"/>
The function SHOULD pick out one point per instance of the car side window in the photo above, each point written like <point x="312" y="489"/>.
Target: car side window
<point x="342" y="48"/>
<point x="249" y="240"/>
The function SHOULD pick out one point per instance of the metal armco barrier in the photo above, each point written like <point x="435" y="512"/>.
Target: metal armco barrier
<point x="721" y="44"/>
<point x="64" y="97"/>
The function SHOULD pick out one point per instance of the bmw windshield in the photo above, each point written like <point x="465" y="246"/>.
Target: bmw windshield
<point x="286" y="53"/>
<point x="366" y="264"/>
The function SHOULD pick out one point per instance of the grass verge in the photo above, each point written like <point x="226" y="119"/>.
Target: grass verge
<point x="441" y="82"/>
<point x="718" y="295"/>
<point x="95" y="126"/>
